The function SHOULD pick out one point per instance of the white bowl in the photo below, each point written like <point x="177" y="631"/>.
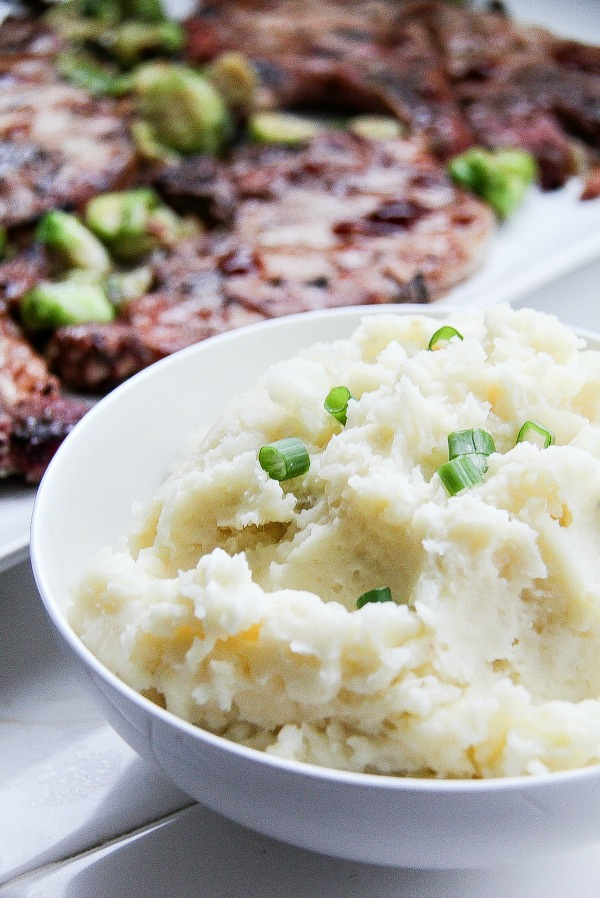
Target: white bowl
<point x="120" y="452"/>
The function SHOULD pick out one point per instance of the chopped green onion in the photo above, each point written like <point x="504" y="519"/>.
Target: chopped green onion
<point x="532" y="432"/>
<point x="479" y="459"/>
<point x="460" y="473"/>
<point x="467" y="442"/>
<point x="284" y="458"/>
<point x="379" y="594"/>
<point x="444" y="335"/>
<point x="336" y="403"/>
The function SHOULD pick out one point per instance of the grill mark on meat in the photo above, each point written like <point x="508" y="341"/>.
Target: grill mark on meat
<point x="22" y="37"/>
<point x="197" y="186"/>
<point x="21" y="273"/>
<point x="409" y="235"/>
<point x="58" y="146"/>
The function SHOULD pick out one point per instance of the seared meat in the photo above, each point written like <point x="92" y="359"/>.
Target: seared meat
<point x="591" y="187"/>
<point x="23" y="37"/>
<point x="457" y="76"/>
<point x="20" y="273"/>
<point x="352" y="219"/>
<point x="199" y="186"/>
<point x="58" y="146"/>
<point x="346" y="56"/>
<point x="34" y="416"/>
<point x="341" y="221"/>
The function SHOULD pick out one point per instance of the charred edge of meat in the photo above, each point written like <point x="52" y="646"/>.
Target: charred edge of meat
<point x="96" y="358"/>
<point x="414" y="291"/>
<point x="32" y="431"/>
<point x="389" y="218"/>
<point x="197" y="186"/>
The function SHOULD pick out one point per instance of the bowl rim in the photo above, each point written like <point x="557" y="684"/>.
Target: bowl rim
<point x="350" y="778"/>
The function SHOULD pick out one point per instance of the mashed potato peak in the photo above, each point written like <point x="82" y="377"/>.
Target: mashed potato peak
<point x="232" y="600"/>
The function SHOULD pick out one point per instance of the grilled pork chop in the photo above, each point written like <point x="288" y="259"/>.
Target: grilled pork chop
<point x="457" y="76"/>
<point x="352" y="56"/>
<point x="58" y="146"/>
<point x="340" y="221"/>
<point x="35" y="416"/>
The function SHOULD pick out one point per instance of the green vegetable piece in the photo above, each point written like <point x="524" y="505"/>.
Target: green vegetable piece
<point x="532" y="432"/>
<point x="443" y="336"/>
<point x="284" y="459"/>
<point x="80" y="70"/>
<point x="3" y="241"/>
<point x="500" y="177"/>
<point x="460" y="473"/>
<point x="132" y="223"/>
<point x="131" y="41"/>
<point x="83" y="276"/>
<point x="122" y="287"/>
<point x="466" y="442"/>
<point x="376" y="127"/>
<point x="148" y="147"/>
<point x="50" y="305"/>
<point x="143" y="10"/>
<point x="379" y="594"/>
<point x="517" y="162"/>
<point x="73" y="243"/>
<point x="336" y="403"/>
<point x="109" y="12"/>
<point x="235" y="79"/>
<point x="186" y="111"/>
<point x="282" y="128"/>
<point x="70" y="21"/>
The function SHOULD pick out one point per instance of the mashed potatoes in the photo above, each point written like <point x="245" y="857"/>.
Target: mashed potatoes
<point x="232" y="600"/>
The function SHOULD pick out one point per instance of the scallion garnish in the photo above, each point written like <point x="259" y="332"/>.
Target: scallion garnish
<point x="379" y="594"/>
<point x="532" y="432"/>
<point x="443" y="336"/>
<point x="479" y="459"/>
<point x="465" y="442"/>
<point x="284" y="458"/>
<point x="460" y="473"/>
<point x="336" y="403"/>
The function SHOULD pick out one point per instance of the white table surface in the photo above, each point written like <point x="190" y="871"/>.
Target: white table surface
<point x="82" y="817"/>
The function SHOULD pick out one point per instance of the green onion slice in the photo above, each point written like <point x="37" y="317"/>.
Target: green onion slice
<point x="336" y="403"/>
<point x="465" y="442"/>
<point x="479" y="459"/>
<point x="284" y="458"/>
<point x="461" y="473"/>
<point x="443" y="336"/>
<point x="379" y="594"/>
<point x="532" y="432"/>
